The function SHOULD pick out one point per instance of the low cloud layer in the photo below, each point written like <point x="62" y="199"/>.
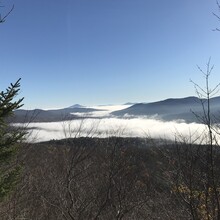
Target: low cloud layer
<point x="113" y="126"/>
<point x="133" y="127"/>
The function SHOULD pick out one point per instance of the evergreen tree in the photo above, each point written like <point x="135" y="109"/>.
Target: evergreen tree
<point x="10" y="137"/>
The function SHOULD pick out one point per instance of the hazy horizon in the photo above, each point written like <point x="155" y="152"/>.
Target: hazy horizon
<point x="116" y="106"/>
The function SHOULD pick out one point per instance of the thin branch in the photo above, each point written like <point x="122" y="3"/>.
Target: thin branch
<point x="3" y="19"/>
<point x="217" y="16"/>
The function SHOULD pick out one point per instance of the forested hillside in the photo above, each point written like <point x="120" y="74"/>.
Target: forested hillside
<point x="112" y="178"/>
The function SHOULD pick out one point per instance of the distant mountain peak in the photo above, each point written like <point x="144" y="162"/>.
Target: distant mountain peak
<point x="77" y="106"/>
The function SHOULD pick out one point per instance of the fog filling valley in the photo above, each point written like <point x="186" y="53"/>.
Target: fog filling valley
<point x="113" y="126"/>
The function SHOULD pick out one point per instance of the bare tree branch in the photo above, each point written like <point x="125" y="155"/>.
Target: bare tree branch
<point x="2" y="19"/>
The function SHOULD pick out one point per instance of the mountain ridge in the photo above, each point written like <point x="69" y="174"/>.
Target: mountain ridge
<point x="172" y="109"/>
<point x="169" y="109"/>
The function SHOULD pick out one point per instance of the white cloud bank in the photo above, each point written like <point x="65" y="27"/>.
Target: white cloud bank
<point x="133" y="127"/>
<point x="112" y="126"/>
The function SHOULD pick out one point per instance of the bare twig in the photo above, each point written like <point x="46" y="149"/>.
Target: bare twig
<point x="2" y="19"/>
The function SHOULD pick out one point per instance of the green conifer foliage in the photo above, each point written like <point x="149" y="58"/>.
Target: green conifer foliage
<point x="10" y="137"/>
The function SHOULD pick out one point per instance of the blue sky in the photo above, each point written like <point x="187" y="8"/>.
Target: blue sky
<point x="107" y="51"/>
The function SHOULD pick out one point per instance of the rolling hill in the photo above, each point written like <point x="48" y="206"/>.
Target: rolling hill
<point x="172" y="109"/>
<point x="39" y="115"/>
<point x="188" y="109"/>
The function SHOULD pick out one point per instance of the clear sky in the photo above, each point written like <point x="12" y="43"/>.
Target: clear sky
<point x="107" y="51"/>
